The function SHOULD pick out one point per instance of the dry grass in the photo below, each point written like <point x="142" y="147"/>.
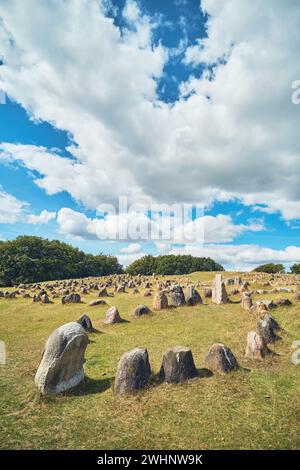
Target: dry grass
<point x="257" y="407"/>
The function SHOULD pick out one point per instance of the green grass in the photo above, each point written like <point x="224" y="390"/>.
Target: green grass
<point x="257" y="407"/>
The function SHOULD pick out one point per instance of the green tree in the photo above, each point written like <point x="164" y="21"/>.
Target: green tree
<point x="33" y="259"/>
<point x="295" y="269"/>
<point x="270" y="268"/>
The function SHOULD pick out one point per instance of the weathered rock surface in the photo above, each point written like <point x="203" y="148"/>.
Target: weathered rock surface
<point x="219" y="294"/>
<point x="112" y="316"/>
<point x="160" y="301"/>
<point x="192" y="296"/>
<point x="71" y="298"/>
<point x="267" y="328"/>
<point x="178" y="365"/>
<point x="133" y="372"/>
<point x="94" y="303"/>
<point x="176" y="296"/>
<point x="256" y="347"/>
<point x="86" y="323"/>
<point x="221" y="359"/>
<point x="246" y="301"/>
<point x="141" y="310"/>
<point x="61" y="367"/>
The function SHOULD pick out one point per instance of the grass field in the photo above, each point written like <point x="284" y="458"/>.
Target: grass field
<point x="257" y="407"/>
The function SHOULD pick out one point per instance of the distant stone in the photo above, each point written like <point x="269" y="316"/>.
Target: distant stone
<point x="221" y="359"/>
<point x="284" y="303"/>
<point x="120" y="289"/>
<point x="269" y="304"/>
<point x="141" y="310"/>
<point x="133" y="372"/>
<point x="112" y="316"/>
<point x="94" y="303"/>
<point x="192" y="296"/>
<point x="256" y="347"/>
<point x="71" y="298"/>
<point x="297" y="295"/>
<point x="103" y="292"/>
<point x="246" y="301"/>
<point x="176" y="296"/>
<point x="219" y="294"/>
<point x="147" y="293"/>
<point x="160" y="301"/>
<point x="36" y="298"/>
<point x="207" y="292"/>
<point x="61" y="367"/>
<point x="45" y="299"/>
<point x="178" y="365"/>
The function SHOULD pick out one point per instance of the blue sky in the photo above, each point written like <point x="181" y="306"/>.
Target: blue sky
<point x="162" y="102"/>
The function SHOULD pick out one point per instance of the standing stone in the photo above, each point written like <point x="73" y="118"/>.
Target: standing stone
<point x="112" y="316"/>
<point x="71" y="298"/>
<point x="133" y="372"/>
<point x="256" y="346"/>
<point x="267" y="329"/>
<point x="45" y="299"/>
<point x="36" y="298"/>
<point x="221" y="359"/>
<point x="237" y="280"/>
<point x="141" y="310"/>
<point x="207" y="292"/>
<point x="192" y="296"/>
<point x="219" y="294"/>
<point x="61" y="367"/>
<point x="86" y="323"/>
<point x="103" y="292"/>
<point x="246" y="301"/>
<point x="176" y="296"/>
<point x="178" y="365"/>
<point x="160" y="301"/>
<point x="120" y="289"/>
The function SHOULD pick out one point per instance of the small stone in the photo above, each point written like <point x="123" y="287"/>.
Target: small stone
<point x="141" y="310"/>
<point x="86" y="323"/>
<point x="192" y="296"/>
<point x="178" y="365"/>
<point x="94" y="303"/>
<point x="221" y="359"/>
<point x="71" y="298"/>
<point x="112" y="316"/>
<point x="256" y="346"/>
<point x="133" y="372"/>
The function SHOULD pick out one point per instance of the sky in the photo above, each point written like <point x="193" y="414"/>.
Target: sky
<point x="178" y="102"/>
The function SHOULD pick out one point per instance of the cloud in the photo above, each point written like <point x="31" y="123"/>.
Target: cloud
<point x="43" y="218"/>
<point x="138" y="226"/>
<point x="242" y="257"/>
<point x="233" y="133"/>
<point x="131" y="249"/>
<point x="11" y="209"/>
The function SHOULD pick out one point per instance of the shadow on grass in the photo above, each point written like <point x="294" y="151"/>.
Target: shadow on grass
<point x="91" y="386"/>
<point x="204" y="373"/>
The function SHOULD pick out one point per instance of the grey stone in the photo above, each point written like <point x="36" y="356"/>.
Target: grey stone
<point x="112" y="316"/>
<point x="267" y="329"/>
<point x="221" y="359"/>
<point x="94" y="303"/>
<point x="133" y="372"/>
<point x="61" y="367"/>
<point x="176" y="296"/>
<point x="192" y="296"/>
<point x="141" y="310"/>
<point x="178" y="365"/>
<point x="71" y="298"/>
<point x="160" y="301"/>
<point x="256" y="347"/>
<point x="219" y="294"/>
<point x="86" y="323"/>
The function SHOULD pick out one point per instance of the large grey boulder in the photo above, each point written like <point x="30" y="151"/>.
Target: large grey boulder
<point x="192" y="296"/>
<point x="219" y="294"/>
<point x="112" y="316"/>
<point x="221" y="359"/>
<point x="256" y="347"/>
<point x="61" y="367"/>
<point x="133" y="372"/>
<point x="178" y="365"/>
<point x="176" y="296"/>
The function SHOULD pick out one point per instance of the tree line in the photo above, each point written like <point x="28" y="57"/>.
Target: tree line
<point x="172" y="264"/>
<point x="30" y="259"/>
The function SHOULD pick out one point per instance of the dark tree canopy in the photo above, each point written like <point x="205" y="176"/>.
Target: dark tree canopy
<point x="295" y="269"/>
<point x="172" y="264"/>
<point x="270" y="268"/>
<point x="33" y="259"/>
